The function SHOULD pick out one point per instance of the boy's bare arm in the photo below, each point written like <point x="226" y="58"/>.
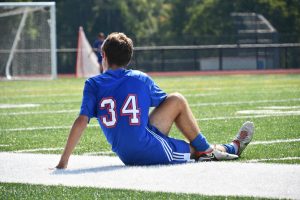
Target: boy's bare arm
<point x="76" y="131"/>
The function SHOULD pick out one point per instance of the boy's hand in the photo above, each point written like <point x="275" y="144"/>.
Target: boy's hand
<point x="62" y="165"/>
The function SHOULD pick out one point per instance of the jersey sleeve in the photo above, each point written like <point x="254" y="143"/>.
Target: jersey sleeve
<point x="156" y="94"/>
<point x="89" y="102"/>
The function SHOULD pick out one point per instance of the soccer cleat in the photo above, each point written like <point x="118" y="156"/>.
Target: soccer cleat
<point x="244" y="136"/>
<point x="214" y="155"/>
<point x="220" y="155"/>
<point x="204" y="155"/>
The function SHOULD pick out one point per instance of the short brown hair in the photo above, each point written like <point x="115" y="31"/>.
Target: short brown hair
<point x="118" y="49"/>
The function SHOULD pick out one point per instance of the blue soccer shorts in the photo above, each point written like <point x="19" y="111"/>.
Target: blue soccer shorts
<point x="159" y="149"/>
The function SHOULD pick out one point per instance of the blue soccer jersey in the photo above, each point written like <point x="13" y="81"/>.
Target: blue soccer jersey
<point x="120" y="100"/>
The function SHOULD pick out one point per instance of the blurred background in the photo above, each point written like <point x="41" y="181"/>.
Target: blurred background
<point x="190" y="23"/>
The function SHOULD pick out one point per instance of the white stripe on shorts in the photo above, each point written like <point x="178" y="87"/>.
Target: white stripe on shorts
<point x="168" y="150"/>
<point x="178" y="157"/>
<point x="161" y="140"/>
<point x="182" y="156"/>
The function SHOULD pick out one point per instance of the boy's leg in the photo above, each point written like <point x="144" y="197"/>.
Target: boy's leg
<point x="175" y="109"/>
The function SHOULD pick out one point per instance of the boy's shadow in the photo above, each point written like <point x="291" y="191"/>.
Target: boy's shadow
<point x="88" y="170"/>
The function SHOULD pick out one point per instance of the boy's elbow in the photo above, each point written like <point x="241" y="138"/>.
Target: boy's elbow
<point x="82" y="121"/>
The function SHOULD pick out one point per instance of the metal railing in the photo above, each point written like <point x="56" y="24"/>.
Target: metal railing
<point x="198" y="57"/>
<point x="255" y="56"/>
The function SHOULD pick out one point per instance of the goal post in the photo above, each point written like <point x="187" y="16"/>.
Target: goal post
<point x="28" y="40"/>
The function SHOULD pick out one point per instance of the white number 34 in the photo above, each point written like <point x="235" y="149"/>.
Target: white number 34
<point x="129" y="108"/>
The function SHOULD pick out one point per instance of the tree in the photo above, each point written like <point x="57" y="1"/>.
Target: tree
<point x="212" y="18"/>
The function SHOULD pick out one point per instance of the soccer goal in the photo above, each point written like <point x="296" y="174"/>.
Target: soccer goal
<point x="86" y="61"/>
<point x="28" y="40"/>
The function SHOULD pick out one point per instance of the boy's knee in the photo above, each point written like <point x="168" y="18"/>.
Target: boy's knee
<point x="179" y="98"/>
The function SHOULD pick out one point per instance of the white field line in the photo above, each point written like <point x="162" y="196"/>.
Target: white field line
<point x="272" y="159"/>
<point x="5" y="145"/>
<point x="274" y="141"/>
<point x="79" y="95"/>
<point x="36" y="128"/>
<point x="200" y="95"/>
<point x="247" y="117"/>
<point x="233" y="92"/>
<point x="61" y="102"/>
<point x="267" y="112"/>
<point x="44" y="90"/>
<point x="43" y="128"/>
<point x="109" y="153"/>
<point x="271" y="180"/>
<point x="97" y="153"/>
<point x="280" y="107"/>
<point x="37" y="150"/>
<point x="205" y="104"/>
<point x="40" y="112"/>
<point x="243" y="102"/>
<point x="218" y="103"/>
<point x="191" y="89"/>
<point x="96" y="125"/>
<point x="30" y="105"/>
<point x="36" y="96"/>
<point x="177" y="90"/>
<point x="100" y="153"/>
<point x="204" y="87"/>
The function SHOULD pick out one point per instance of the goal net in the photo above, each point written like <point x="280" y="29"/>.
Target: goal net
<point x="86" y="62"/>
<point x="28" y="40"/>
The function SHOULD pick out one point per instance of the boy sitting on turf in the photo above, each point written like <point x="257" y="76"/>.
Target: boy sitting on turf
<point x="120" y="99"/>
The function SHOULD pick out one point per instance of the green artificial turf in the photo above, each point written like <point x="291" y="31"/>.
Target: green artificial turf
<point x="210" y="97"/>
